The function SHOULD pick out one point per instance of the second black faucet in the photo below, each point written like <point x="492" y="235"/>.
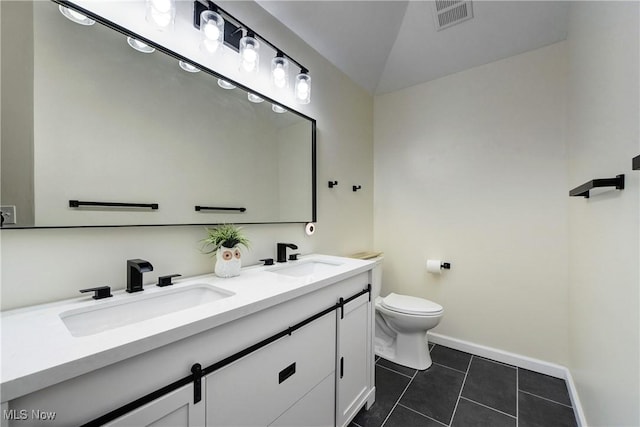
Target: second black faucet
<point x="282" y="251"/>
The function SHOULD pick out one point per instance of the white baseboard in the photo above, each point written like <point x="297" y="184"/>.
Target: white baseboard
<point x="536" y="365"/>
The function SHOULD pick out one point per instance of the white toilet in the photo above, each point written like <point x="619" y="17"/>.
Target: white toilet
<point x="402" y="323"/>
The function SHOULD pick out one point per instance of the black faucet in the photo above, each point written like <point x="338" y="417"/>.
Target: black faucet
<point x="135" y="268"/>
<point x="282" y="251"/>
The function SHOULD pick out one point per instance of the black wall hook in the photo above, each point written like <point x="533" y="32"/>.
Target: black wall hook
<point x="333" y="184"/>
<point x="357" y="187"/>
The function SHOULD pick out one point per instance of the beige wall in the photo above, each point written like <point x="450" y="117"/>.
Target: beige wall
<point x="603" y="136"/>
<point x="45" y="265"/>
<point x="17" y="109"/>
<point x="471" y="169"/>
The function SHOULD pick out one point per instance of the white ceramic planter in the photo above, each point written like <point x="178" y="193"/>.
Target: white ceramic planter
<point x="228" y="262"/>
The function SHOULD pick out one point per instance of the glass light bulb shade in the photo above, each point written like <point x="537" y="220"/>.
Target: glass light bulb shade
<point x="188" y="67"/>
<point x="249" y="54"/>
<point x="74" y="16"/>
<point x="140" y="46"/>
<point x="225" y="84"/>
<point x="211" y="25"/>
<point x="277" y="109"/>
<point x="303" y="88"/>
<point x="161" y="20"/>
<point x="160" y="13"/>
<point x="252" y="97"/>
<point x="280" y="72"/>
<point x="162" y="6"/>
<point x="211" y="30"/>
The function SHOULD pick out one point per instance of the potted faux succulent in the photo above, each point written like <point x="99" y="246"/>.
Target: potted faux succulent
<point x="224" y="241"/>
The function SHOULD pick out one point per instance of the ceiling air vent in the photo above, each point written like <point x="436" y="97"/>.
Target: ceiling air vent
<point x="451" y="12"/>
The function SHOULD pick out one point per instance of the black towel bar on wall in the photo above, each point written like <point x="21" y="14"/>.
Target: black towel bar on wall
<point x="583" y="190"/>
<point x="78" y="203"/>
<point x="213" y="208"/>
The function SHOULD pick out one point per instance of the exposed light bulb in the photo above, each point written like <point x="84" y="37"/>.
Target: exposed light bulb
<point x="280" y="71"/>
<point x="211" y="31"/>
<point x="160" y="13"/>
<point x="249" y="54"/>
<point x="161" y="19"/>
<point x="162" y="6"/>
<point x="303" y="88"/>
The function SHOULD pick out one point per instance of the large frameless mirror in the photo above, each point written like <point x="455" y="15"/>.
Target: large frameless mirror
<point x="95" y="133"/>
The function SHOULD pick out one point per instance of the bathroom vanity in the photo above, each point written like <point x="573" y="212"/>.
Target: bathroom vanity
<point x="289" y="344"/>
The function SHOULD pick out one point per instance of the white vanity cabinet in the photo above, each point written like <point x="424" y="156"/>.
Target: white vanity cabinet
<point x="354" y="358"/>
<point x="175" y="409"/>
<point x="316" y="370"/>
<point x="257" y="389"/>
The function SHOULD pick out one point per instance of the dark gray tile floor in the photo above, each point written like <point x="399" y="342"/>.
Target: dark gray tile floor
<point x="463" y="390"/>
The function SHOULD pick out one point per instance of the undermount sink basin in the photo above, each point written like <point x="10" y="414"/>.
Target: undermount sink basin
<point x="136" y="308"/>
<point x="305" y="268"/>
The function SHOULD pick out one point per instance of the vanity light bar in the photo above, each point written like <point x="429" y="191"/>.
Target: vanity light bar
<point x="233" y="30"/>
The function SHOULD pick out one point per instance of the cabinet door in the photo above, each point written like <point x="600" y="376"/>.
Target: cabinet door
<point x="175" y="409"/>
<point x="354" y="359"/>
<point x="315" y="409"/>
<point x="257" y="389"/>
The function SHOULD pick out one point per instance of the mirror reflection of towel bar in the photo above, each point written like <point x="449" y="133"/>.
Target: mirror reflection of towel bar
<point x="213" y="208"/>
<point x="78" y="203"/>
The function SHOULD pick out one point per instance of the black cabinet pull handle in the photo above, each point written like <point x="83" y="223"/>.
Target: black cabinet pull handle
<point x="196" y="371"/>
<point x="286" y="372"/>
<point x="341" y="367"/>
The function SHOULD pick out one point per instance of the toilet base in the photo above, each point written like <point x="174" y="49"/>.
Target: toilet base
<point x="410" y="350"/>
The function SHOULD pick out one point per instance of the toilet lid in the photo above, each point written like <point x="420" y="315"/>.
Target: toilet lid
<point x="410" y="305"/>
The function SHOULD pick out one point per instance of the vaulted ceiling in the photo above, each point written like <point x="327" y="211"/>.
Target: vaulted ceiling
<point x="390" y="45"/>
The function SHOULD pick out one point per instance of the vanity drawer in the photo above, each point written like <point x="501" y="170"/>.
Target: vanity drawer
<point x="258" y="388"/>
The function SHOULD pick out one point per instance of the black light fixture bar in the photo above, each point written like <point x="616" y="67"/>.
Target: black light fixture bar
<point x="78" y="203"/>
<point x="236" y="30"/>
<point x="583" y="190"/>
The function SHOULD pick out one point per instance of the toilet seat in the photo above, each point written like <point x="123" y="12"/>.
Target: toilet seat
<point x="411" y="305"/>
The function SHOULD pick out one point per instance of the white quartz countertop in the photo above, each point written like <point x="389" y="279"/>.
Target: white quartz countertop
<point x="38" y="350"/>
